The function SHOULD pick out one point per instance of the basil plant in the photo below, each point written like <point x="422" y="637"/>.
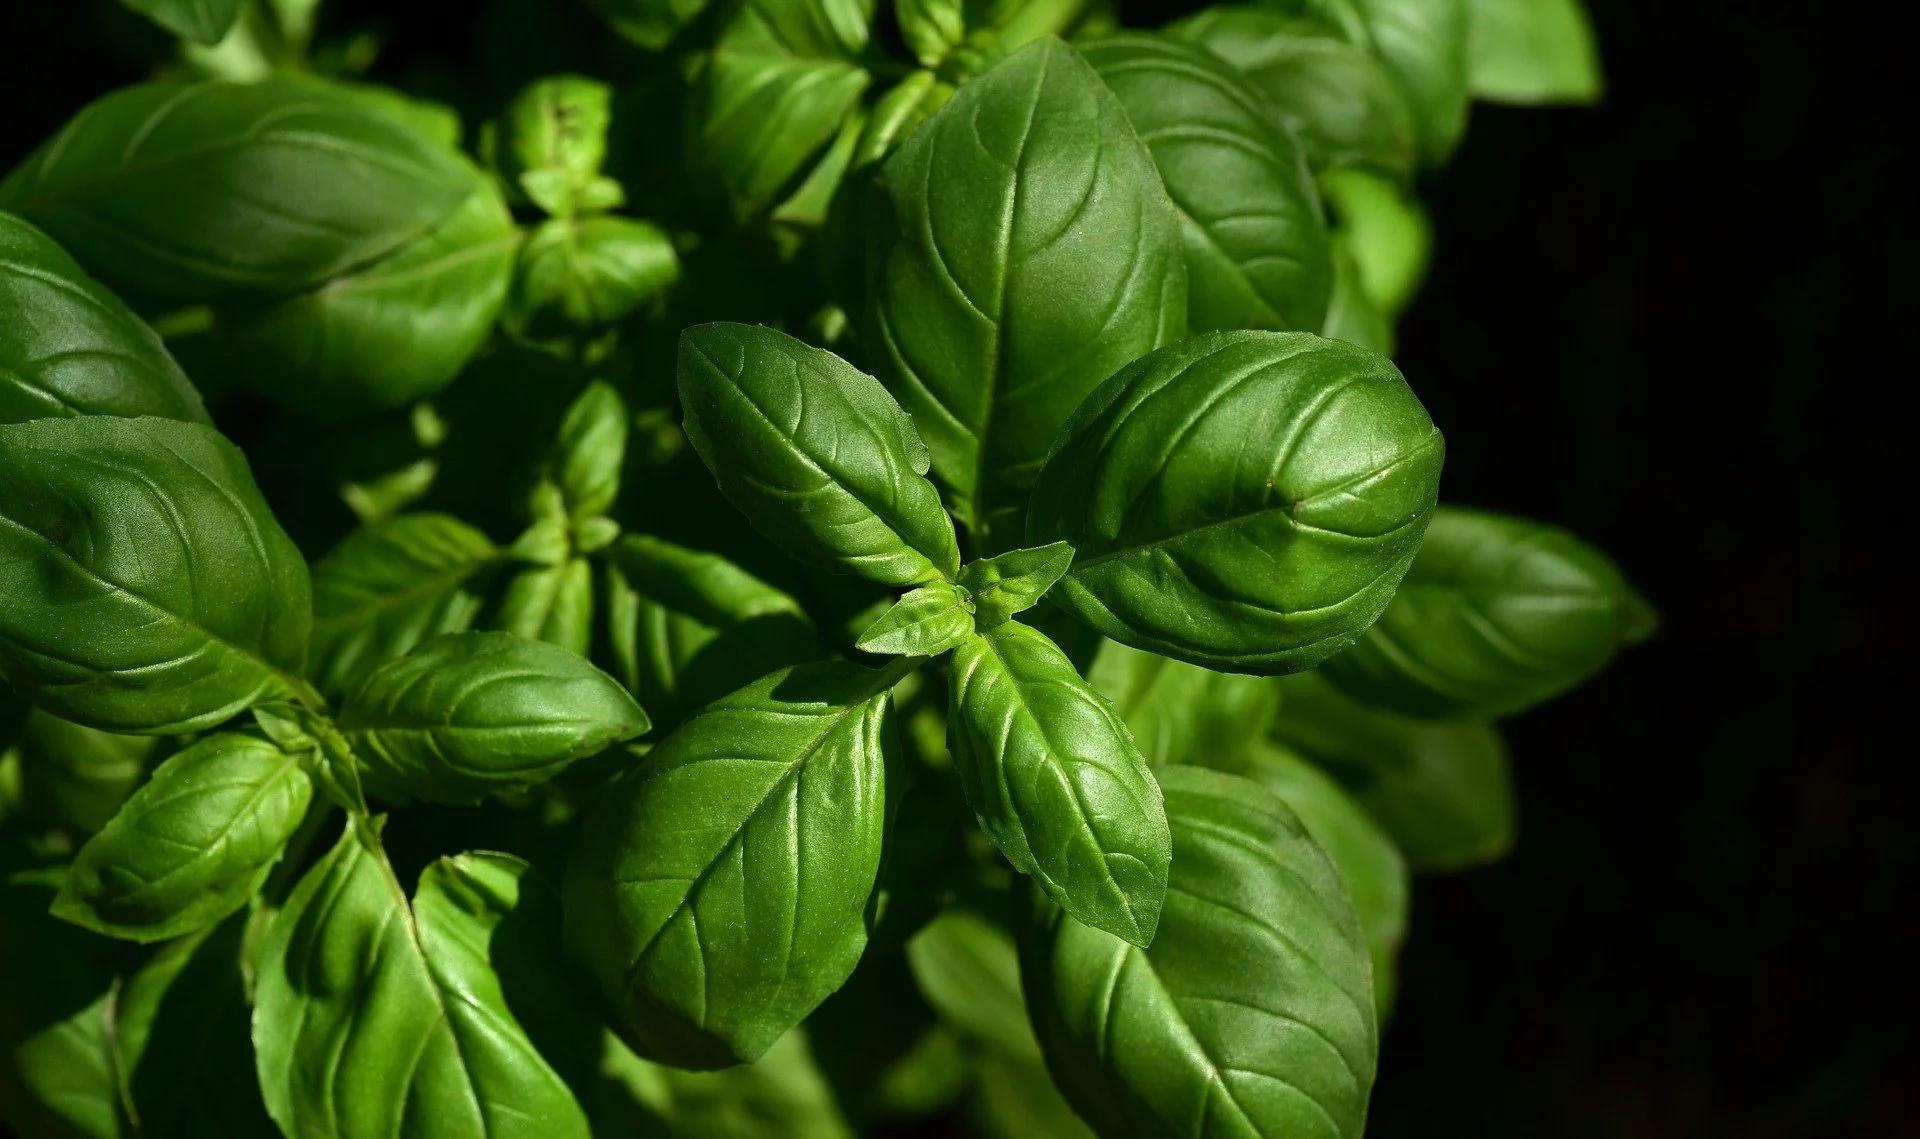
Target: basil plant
<point x="815" y="566"/>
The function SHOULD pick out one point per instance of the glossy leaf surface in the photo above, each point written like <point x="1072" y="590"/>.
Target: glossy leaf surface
<point x="927" y="621"/>
<point x="1013" y="582"/>
<point x="1057" y="781"/>
<point x="1025" y="250"/>
<point x="1250" y="1015"/>
<point x="148" y="587"/>
<point x="468" y="714"/>
<point x="720" y="892"/>
<point x="1243" y="501"/>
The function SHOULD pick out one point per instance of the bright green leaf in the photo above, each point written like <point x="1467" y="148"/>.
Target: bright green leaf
<point x="1013" y="582"/>
<point x="924" y="623"/>
<point x="1532" y="51"/>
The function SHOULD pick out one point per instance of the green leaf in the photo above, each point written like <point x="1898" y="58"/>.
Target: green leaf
<point x="1497" y="614"/>
<point x="592" y="450"/>
<point x="1016" y="1099"/>
<point x="1441" y="788"/>
<point x="1343" y="104"/>
<point x="469" y="714"/>
<point x="69" y="347"/>
<point x="1255" y="238"/>
<point x="1532" y="51"/>
<point x="552" y="604"/>
<point x="1013" y="582"/>
<point x="590" y="272"/>
<point x="192" y="845"/>
<point x="433" y="121"/>
<point x="148" y="587"/>
<point x="782" y="1095"/>
<point x="1423" y="46"/>
<point x="1057" y="781"/>
<point x="201" y="21"/>
<point x="720" y="892"/>
<point x="924" y="623"/>
<point x="388" y="587"/>
<point x="775" y="91"/>
<point x="688" y="626"/>
<point x="384" y="334"/>
<point x="650" y="23"/>
<point x="931" y="28"/>
<point x="553" y="141"/>
<point x="1245" y="501"/>
<point x="372" y="1017"/>
<point x="968" y="969"/>
<point x="1165" y="1041"/>
<point x="1370" y="864"/>
<point x="1385" y="231"/>
<point x="76" y="777"/>
<point x="1024" y="250"/>
<point x="1179" y="712"/>
<point x="1020" y="22"/>
<point x="815" y="453"/>
<point x="1352" y="315"/>
<point x="191" y="193"/>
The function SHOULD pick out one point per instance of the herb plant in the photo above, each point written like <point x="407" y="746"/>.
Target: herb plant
<point x="857" y="562"/>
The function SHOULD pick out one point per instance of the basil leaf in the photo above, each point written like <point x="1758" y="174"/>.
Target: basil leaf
<point x="720" y="892"/>
<point x="1016" y="1099"/>
<point x="198" y="192"/>
<point x="926" y="622"/>
<point x="1496" y="615"/>
<point x="1179" y="712"/>
<point x="782" y="1095"/>
<point x="1352" y="315"/>
<point x="1013" y="582"/>
<point x="384" y="334"/>
<point x="201" y="21"/>
<point x="592" y="450"/>
<point x="553" y="141"/>
<point x="388" y="587"/>
<point x="69" y="347"/>
<point x="775" y="90"/>
<point x="1370" y="864"/>
<point x="552" y="604"/>
<point x="1386" y="233"/>
<point x="590" y="272"/>
<point x="76" y="777"/>
<point x="1245" y="501"/>
<point x="468" y="714"/>
<point x="1163" y="1041"/>
<point x="373" y="1017"/>
<point x="1026" y="193"/>
<point x="192" y="845"/>
<point x="1532" y="51"/>
<point x="1057" y="782"/>
<point x="1256" y="242"/>
<point x="148" y="587"/>
<point x="1020" y="22"/>
<point x="1342" y="103"/>
<point x="815" y="453"/>
<point x="931" y="28"/>
<point x="1423" y="45"/>
<point x="1441" y="788"/>
<point x="688" y="626"/>
<point x="968" y="969"/>
<point x="650" y="23"/>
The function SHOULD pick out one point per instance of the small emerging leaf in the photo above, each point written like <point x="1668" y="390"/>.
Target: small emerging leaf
<point x="1013" y="582"/>
<point x="930" y="620"/>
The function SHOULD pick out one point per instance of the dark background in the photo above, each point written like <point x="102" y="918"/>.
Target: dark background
<point x="1677" y="324"/>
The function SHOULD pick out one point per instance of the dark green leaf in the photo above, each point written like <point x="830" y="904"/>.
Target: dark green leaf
<point x="924" y="623"/>
<point x="1014" y="582"/>
<point x="720" y="893"/>
<point x="1497" y="614"/>
<point x="1164" y="1041"/>
<point x="1423" y="45"/>
<point x="968" y="969"/>
<point x="931" y="28"/>
<point x="1532" y="51"/>
<point x="76" y="777"/>
<point x="590" y="272"/>
<point x="1440" y="787"/>
<point x="387" y="333"/>
<point x="390" y="586"/>
<point x="373" y="1017"/>
<point x="69" y="347"/>
<point x="689" y="626"/>
<point x="782" y="1095"/>
<point x="201" y="21"/>
<point x="1342" y="102"/>
<point x="815" y="453"/>
<point x="1179" y="712"/>
<point x="1057" y="781"/>
<point x="591" y="451"/>
<point x="1243" y="501"/>
<point x="1025" y="250"/>
<point x="191" y="193"/>
<point x="552" y="604"/>
<point x="1255" y="237"/>
<point x="148" y="587"/>
<point x="1369" y="863"/>
<point x="649" y="23"/>
<point x="191" y="845"/>
<point x="468" y="714"/>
